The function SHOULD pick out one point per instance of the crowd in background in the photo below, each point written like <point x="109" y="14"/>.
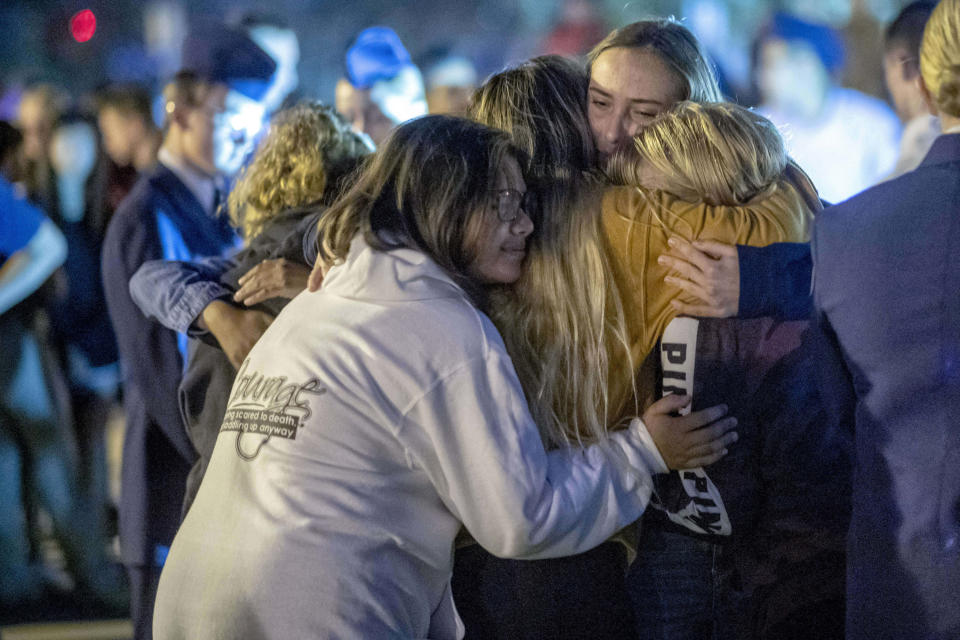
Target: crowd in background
<point x="94" y="186"/>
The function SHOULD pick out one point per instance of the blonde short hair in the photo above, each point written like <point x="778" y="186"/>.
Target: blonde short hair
<point x="940" y="57"/>
<point x="718" y="152"/>
<point x="307" y="151"/>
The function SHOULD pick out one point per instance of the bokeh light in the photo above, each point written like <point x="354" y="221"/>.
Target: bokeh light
<point x="83" y="25"/>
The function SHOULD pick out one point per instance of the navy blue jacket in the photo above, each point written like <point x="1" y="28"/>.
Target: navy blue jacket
<point x="887" y="293"/>
<point x="160" y="218"/>
<point x="775" y="281"/>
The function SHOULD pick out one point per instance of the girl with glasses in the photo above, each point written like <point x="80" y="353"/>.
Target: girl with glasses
<point x="377" y="416"/>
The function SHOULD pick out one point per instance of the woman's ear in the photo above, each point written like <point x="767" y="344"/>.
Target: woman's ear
<point x="927" y="98"/>
<point x="177" y="112"/>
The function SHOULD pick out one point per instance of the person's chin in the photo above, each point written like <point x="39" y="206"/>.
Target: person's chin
<point x="505" y="274"/>
<point x="512" y="271"/>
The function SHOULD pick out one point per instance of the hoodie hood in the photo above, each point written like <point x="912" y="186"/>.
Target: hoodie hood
<point x="398" y="274"/>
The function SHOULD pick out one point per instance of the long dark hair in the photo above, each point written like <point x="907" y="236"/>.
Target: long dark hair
<point x="420" y="190"/>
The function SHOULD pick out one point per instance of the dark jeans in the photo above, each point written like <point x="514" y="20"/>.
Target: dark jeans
<point x="576" y="597"/>
<point x="680" y="587"/>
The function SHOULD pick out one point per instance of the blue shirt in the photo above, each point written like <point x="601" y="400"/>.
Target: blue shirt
<point x="19" y="221"/>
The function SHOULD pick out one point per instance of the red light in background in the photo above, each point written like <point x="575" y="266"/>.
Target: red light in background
<point x="83" y="25"/>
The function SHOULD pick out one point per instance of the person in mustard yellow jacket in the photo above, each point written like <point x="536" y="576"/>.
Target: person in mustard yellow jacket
<point x="713" y="171"/>
<point x="765" y="550"/>
<point x="591" y="306"/>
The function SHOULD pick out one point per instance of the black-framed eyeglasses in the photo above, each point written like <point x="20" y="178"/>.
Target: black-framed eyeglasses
<point x="510" y="202"/>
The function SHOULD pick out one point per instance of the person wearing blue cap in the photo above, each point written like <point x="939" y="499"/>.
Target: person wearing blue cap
<point x="845" y="140"/>
<point x="382" y="87"/>
<point x="171" y="213"/>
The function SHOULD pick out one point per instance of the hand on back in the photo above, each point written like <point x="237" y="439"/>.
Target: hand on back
<point x="237" y="330"/>
<point x="697" y="439"/>
<point x="278" y="278"/>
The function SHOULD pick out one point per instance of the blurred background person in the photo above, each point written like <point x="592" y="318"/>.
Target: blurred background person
<point x="31" y="249"/>
<point x="37" y="451"/>
<point x="382" y="87"/>
<point x="845" y="140"/>
<point x="579" y="28"/>
<point x="41" y="106"/>
<point x="901" y="70"/>
<point x="83" y="337"/>
<point x="65" y="172"/>
<point x="12" y="164"/>
<point x="129" y="135"/>
<point x="451" y="80"/>
<point x="21" y="225"/>
<point x="171" y="213"/>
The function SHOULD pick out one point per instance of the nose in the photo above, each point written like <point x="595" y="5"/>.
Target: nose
<point x="617" y="130"/>
<point x="612" y="132"/>
<point x="622" y="131"/>
<point x="522" y="224"/>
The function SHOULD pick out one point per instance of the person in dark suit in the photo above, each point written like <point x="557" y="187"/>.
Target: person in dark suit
<point x="170" y="213"/>
<point x="887" y="294"/>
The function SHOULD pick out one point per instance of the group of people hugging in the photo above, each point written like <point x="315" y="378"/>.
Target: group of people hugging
<point x="476" y="406"/>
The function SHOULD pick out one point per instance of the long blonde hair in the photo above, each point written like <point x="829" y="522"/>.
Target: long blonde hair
<point x="940" y="57"/>
<point x="563" y="320"/>
<point x="307" y="150"/>
<point x="718" y="152"/>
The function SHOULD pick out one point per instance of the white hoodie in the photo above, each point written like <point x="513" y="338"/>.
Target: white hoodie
<point x="371" y="420"/>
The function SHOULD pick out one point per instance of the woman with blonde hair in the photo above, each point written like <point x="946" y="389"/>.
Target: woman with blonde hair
<point x="639" y="70"/>
<point x="885" y="298"/>
<point x="700" y="171"/>
<point x="593" y="240"/>
<point x="305" y="154"/>
<point x="591" y="291"/>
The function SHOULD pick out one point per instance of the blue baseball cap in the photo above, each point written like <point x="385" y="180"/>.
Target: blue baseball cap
<point x="825" y="41"/>
<point x="221" y="54"/>
<point x="377" y="54"/>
